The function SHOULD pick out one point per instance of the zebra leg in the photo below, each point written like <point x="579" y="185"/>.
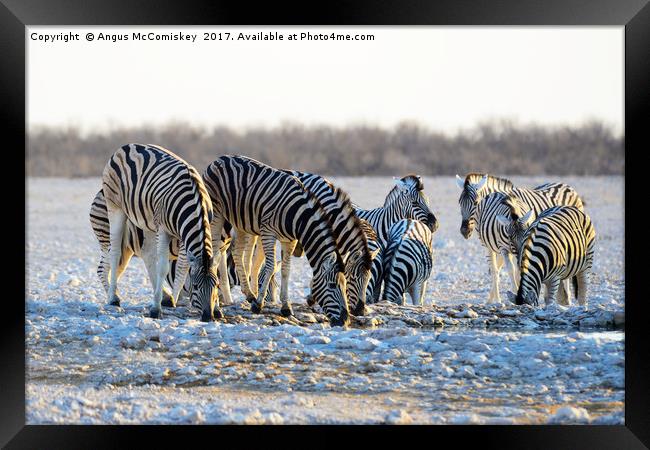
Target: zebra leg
<point x="102" y="269"/>
<point x="564" y="297"/>
<point x="583" y="286"/>
<point x="268" y="243"/>
<point x="219" y="250"/>
<point x="415" y="292"/>
<point x="287" y="250"/>
<point x="179" y="276"/>
<point x="240" y="266"/>
<point x="512" y="270"/>
<point x="247" y="258"/>
<point x="162" y="267"/>
<point x="224" y="280"/>
<point x="117" y="221"/>
<point x="127" y="253"/>
<point x="422" y="293"/>
<point x="552" y="287"/>
<point x="496" y="262"/>
<point x="257" y="261"/>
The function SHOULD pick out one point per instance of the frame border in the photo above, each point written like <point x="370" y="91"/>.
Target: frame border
<point x="15" y="15"/>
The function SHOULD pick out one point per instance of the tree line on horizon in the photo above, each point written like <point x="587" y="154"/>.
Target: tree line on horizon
<point x="499" y="147"/>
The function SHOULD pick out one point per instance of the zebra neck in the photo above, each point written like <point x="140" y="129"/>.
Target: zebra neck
<point x="316" y="239"/>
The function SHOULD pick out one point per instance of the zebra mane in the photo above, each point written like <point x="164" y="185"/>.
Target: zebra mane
<point x="205" y="203"/>
<point x="371" y="234"/>
<point x="323" y="213"/>
<point x="474" y="177"/>
<point x="357" y="224"/>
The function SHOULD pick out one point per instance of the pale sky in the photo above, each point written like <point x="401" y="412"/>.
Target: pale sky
<point x="445" y="78"/>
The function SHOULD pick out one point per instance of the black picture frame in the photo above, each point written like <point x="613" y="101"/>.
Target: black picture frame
<point x="15" y="15"/>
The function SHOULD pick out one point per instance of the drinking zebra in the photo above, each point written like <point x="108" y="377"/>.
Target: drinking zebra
<point x="557" y="246"/>
<point x="479" y="211"/>
<point x="260" y="200"/>
<point x="349" y="233"/>
<point x="165" y="197"/>
<point x="133" y="245"/>
<point x="406" y="200"/>
<point x="408" y="261"/>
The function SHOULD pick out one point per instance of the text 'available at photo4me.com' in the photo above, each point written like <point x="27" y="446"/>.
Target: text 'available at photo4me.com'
<point x="179" y="36"/>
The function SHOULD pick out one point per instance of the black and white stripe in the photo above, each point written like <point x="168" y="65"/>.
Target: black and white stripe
<point x="476" y="186"/>
<point x="557" y="246"/>
<point x="406" y="200"/>
<point x="260" y="200"/>
<point x="408" y="261"/>
<point x="348" y="230"/>
<point x="133" y="244"/>
<point x="165" y="197"/>
<point x="376" y="247"/>
<point x="485" y="198"/>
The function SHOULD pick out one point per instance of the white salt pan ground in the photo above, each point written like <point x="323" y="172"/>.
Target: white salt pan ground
<point x="456" y="360"/>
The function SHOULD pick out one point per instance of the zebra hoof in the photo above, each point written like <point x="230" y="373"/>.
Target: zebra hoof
<point x="310" y="300"/>
<point x="359" y="310"/>
<point x="251" y="299"/>
<point x="286" y="312"/>
<point x="116" y="300"/>
<point x="155" y="313"/>
<point x="341" y="321"/>
<point x="168" y="300"/>
<point x="256" y="308"/>
<point x="207" y="316"/>
<point x="217" y="313"/>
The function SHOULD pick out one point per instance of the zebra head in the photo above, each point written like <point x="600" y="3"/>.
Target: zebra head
<point x="414" y="203"/>
<point x="203" y="287"/>
<point x="529" y="288"/>
<point x="516" y="228"/>
<point x="471" y="195"/>
<point x="328" y="288"/>
<point x="517" y="223"/>
<point x="357" y="276"/>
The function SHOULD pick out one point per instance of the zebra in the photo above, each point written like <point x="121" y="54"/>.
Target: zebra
<point x="350" y="235"/>
<point x="495" y="238"/>
<point x="165" y="197"/>
<point x="408" y="261"/>
<point x="476" y="186"/>
<point x="558" y="245"/>
<point x="260" y="200"/>
<point x="133" y="244"/>
<point x="406" y="200"/>
<point x="478" y="211"/>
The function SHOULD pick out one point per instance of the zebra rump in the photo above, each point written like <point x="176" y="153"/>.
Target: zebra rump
<point x="558" y="245"/>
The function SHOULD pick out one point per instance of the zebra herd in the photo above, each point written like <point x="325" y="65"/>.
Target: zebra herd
<point x="221" y="228"/>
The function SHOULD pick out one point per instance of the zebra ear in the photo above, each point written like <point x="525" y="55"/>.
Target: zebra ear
<point x="503" y="221"/>
<point x="400" y="183"/>
<point x="481" y="184"/>
<point x="460" y="182"/>
<point x="525" y="219"/>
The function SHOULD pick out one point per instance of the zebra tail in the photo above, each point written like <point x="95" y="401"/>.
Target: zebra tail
<point x="574" y="281"/>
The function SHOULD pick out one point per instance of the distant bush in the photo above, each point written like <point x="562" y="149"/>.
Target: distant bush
<point x="499" y="147"/>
